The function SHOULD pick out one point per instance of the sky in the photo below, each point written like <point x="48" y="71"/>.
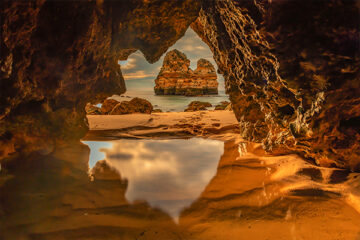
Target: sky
<point x="140" y="75"/>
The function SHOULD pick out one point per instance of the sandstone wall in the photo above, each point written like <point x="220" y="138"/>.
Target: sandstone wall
<point x="292" y="70"/>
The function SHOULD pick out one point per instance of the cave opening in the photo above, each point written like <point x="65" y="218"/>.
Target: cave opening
<point x="283" y="155"/>
<point x="190" y="74"/>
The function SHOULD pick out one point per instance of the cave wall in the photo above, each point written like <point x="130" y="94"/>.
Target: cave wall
<point x="58" y="55"/>
<point x="291" y="69"/>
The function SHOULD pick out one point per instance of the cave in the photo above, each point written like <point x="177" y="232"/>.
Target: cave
<point x="291" y="70"/>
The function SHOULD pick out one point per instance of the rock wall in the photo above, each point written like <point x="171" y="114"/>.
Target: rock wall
<point x="177" y="78"/>
<point x="291" y="69"/>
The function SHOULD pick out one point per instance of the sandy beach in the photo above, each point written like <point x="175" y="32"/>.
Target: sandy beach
<point x="220" y="124"/>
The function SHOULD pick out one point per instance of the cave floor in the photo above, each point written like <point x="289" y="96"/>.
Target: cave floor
<point x="156" y="178"/>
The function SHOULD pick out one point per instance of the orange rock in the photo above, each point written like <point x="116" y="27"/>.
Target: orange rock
<point x="177" y="78"/>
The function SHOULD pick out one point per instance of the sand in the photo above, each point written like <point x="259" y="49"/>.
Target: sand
<point x="220" y="124"/>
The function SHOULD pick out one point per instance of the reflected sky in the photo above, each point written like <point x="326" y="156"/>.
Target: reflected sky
<point x="168" y="174"/>
<point x="95" y="153"/>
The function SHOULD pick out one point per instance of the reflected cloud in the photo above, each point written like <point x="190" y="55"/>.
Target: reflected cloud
<point x="168" y="174"/>
<point x="95" y="153"/>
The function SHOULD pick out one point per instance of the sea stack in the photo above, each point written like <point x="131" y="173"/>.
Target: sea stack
<point x="177" y="78"/>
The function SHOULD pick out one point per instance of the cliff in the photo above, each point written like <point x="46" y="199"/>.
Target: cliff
<point x="177" y="78"/>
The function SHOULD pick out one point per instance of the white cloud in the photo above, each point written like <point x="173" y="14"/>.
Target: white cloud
<point x="138" y="75"/>
<point x="163" y="172"/>
<point x="128" y="64"/>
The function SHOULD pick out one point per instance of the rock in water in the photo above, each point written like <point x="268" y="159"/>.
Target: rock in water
<point x="177" y="78"/>
<point x="157" y="110"/>
<point x="197" y="105"/>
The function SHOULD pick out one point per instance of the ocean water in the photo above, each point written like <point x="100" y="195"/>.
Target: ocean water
<point x="171" y="103"/>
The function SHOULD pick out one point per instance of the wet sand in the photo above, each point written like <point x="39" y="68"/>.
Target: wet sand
<point x="127" y="194"/>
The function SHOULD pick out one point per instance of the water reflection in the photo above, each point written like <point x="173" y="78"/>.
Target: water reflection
<point x="168" y="174"/>
<point x="250" y="196"/>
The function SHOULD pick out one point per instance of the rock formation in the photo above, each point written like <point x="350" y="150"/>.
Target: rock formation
<point x="197" y="106"/>
<point x="292" y="71"/>
<point x="108" y="105"/>
<point x="135" y="105"/>
<point x="177" y="78"/>
<point x="92" y="110"/>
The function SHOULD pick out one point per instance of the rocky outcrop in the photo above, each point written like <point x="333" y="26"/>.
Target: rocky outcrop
<point x="108" y="105"/>
<point x="197" y="106"/>
<point x="135" y="105"/>
<point x="291" y="69"/>
<point x="177" y="78"/>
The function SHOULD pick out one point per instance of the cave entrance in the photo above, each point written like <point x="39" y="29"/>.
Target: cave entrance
<point x="197" y="82"/>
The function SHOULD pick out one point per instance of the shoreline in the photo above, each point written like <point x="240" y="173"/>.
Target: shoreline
<point x="219" y="124"/>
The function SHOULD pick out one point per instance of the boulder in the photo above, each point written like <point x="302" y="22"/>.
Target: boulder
<point x="135" y="105"/>
<point x="197" y="105"/>
<point x="108" y="105"/>
<point x="92" y="110"/>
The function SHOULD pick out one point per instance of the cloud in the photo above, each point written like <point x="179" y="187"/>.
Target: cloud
<point x="140" y="74"/>
<point x="164" y="172"/>
<point x="128" y="64"/>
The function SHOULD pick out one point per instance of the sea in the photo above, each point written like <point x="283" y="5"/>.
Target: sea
<point x="171" y="103"/>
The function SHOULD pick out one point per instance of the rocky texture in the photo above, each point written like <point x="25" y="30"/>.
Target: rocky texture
<point x="222" y="106"/>
<point x="251" y="196"/>
<point x="56" y="56"/>
<point x="291" y="69"/>
<point x="135" y="105"/>
<point x="177" y="78"/>
<point x="92" y="110"/>
<point x="197" y="105"/>
<point x="108" y="105"/>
